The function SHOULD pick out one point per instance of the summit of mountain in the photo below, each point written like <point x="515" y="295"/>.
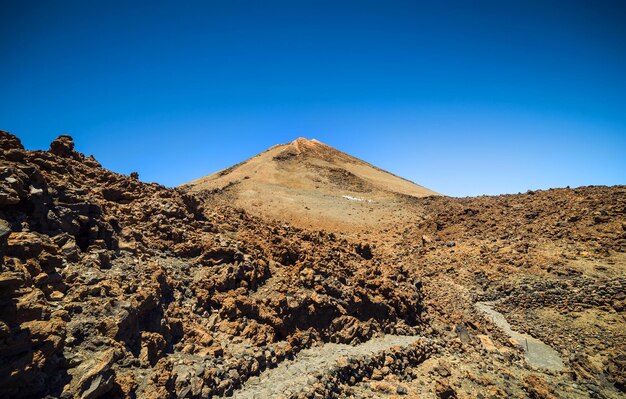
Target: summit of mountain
<point x="311" y="184"/>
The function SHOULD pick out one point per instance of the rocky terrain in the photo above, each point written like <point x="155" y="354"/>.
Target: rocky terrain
<point x="554" y="264"/>
<point x="111" y="287"/>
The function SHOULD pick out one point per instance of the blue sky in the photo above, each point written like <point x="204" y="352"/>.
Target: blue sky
<point x="464" y="97"/>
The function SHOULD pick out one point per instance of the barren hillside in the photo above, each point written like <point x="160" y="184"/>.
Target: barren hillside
<point x="110" y="287"/>
<point x="312" y="185"/>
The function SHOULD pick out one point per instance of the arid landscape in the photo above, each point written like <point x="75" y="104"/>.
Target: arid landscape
<point x="302" y="272"/>
<point x="310" y="184"/>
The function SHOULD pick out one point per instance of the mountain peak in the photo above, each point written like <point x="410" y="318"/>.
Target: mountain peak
<point x="310" y="183"/>
<point x="305" y="141"/>
<point x="304" y="146"/>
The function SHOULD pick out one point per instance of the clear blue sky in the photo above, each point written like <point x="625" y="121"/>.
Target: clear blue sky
<point x="465" y="97"/>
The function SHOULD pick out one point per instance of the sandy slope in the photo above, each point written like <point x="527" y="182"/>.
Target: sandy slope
<point x="313" y="185"/>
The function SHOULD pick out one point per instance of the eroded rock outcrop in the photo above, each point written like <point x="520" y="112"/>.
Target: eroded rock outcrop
<point x="110" y="286"/>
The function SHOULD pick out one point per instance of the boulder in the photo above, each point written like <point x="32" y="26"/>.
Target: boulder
<point x="9" y="141"/>
<point x="487" y="343"/>
<point x="444" y="391"/>
<point x="538" y="388"/>
<point x="5" y="230"/>
<point x="63" y="146"/>
<point x="12" y="187"/>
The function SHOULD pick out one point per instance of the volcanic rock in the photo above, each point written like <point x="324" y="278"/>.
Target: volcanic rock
<point x="63" y="146"/>
<point x="110" y="287"/>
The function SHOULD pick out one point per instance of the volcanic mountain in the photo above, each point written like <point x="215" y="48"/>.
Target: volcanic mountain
<point x="115" y="288"/>
<point x="311" y="184"/>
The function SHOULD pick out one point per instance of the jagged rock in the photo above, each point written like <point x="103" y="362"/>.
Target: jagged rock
<point x="26" y="245"/>
<point x="11" y="280"/>
<point x="537" y="388"/>
<point x="63" y="146"/>
<point x="9" y="141"/>
<point x="5" y="230"/>
<point x="382" y="386"/>
<point x="12" y="186"/>
<point x="93" y="377"/>
<point x="364" y="250"/>
<point x="487" y="343"/>
<point x="616" y="369"/>
<point x="444" y="390"/>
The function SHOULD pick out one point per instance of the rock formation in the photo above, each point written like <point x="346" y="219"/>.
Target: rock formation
<point x="112" y="286"/>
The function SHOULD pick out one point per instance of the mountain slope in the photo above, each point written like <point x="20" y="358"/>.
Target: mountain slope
<point x="309" y="183"/>
<point x="110" y="287"/>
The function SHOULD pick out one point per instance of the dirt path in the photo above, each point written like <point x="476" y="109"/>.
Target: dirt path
<point x="292" y="376"/>
<point x="537" y="353"/>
